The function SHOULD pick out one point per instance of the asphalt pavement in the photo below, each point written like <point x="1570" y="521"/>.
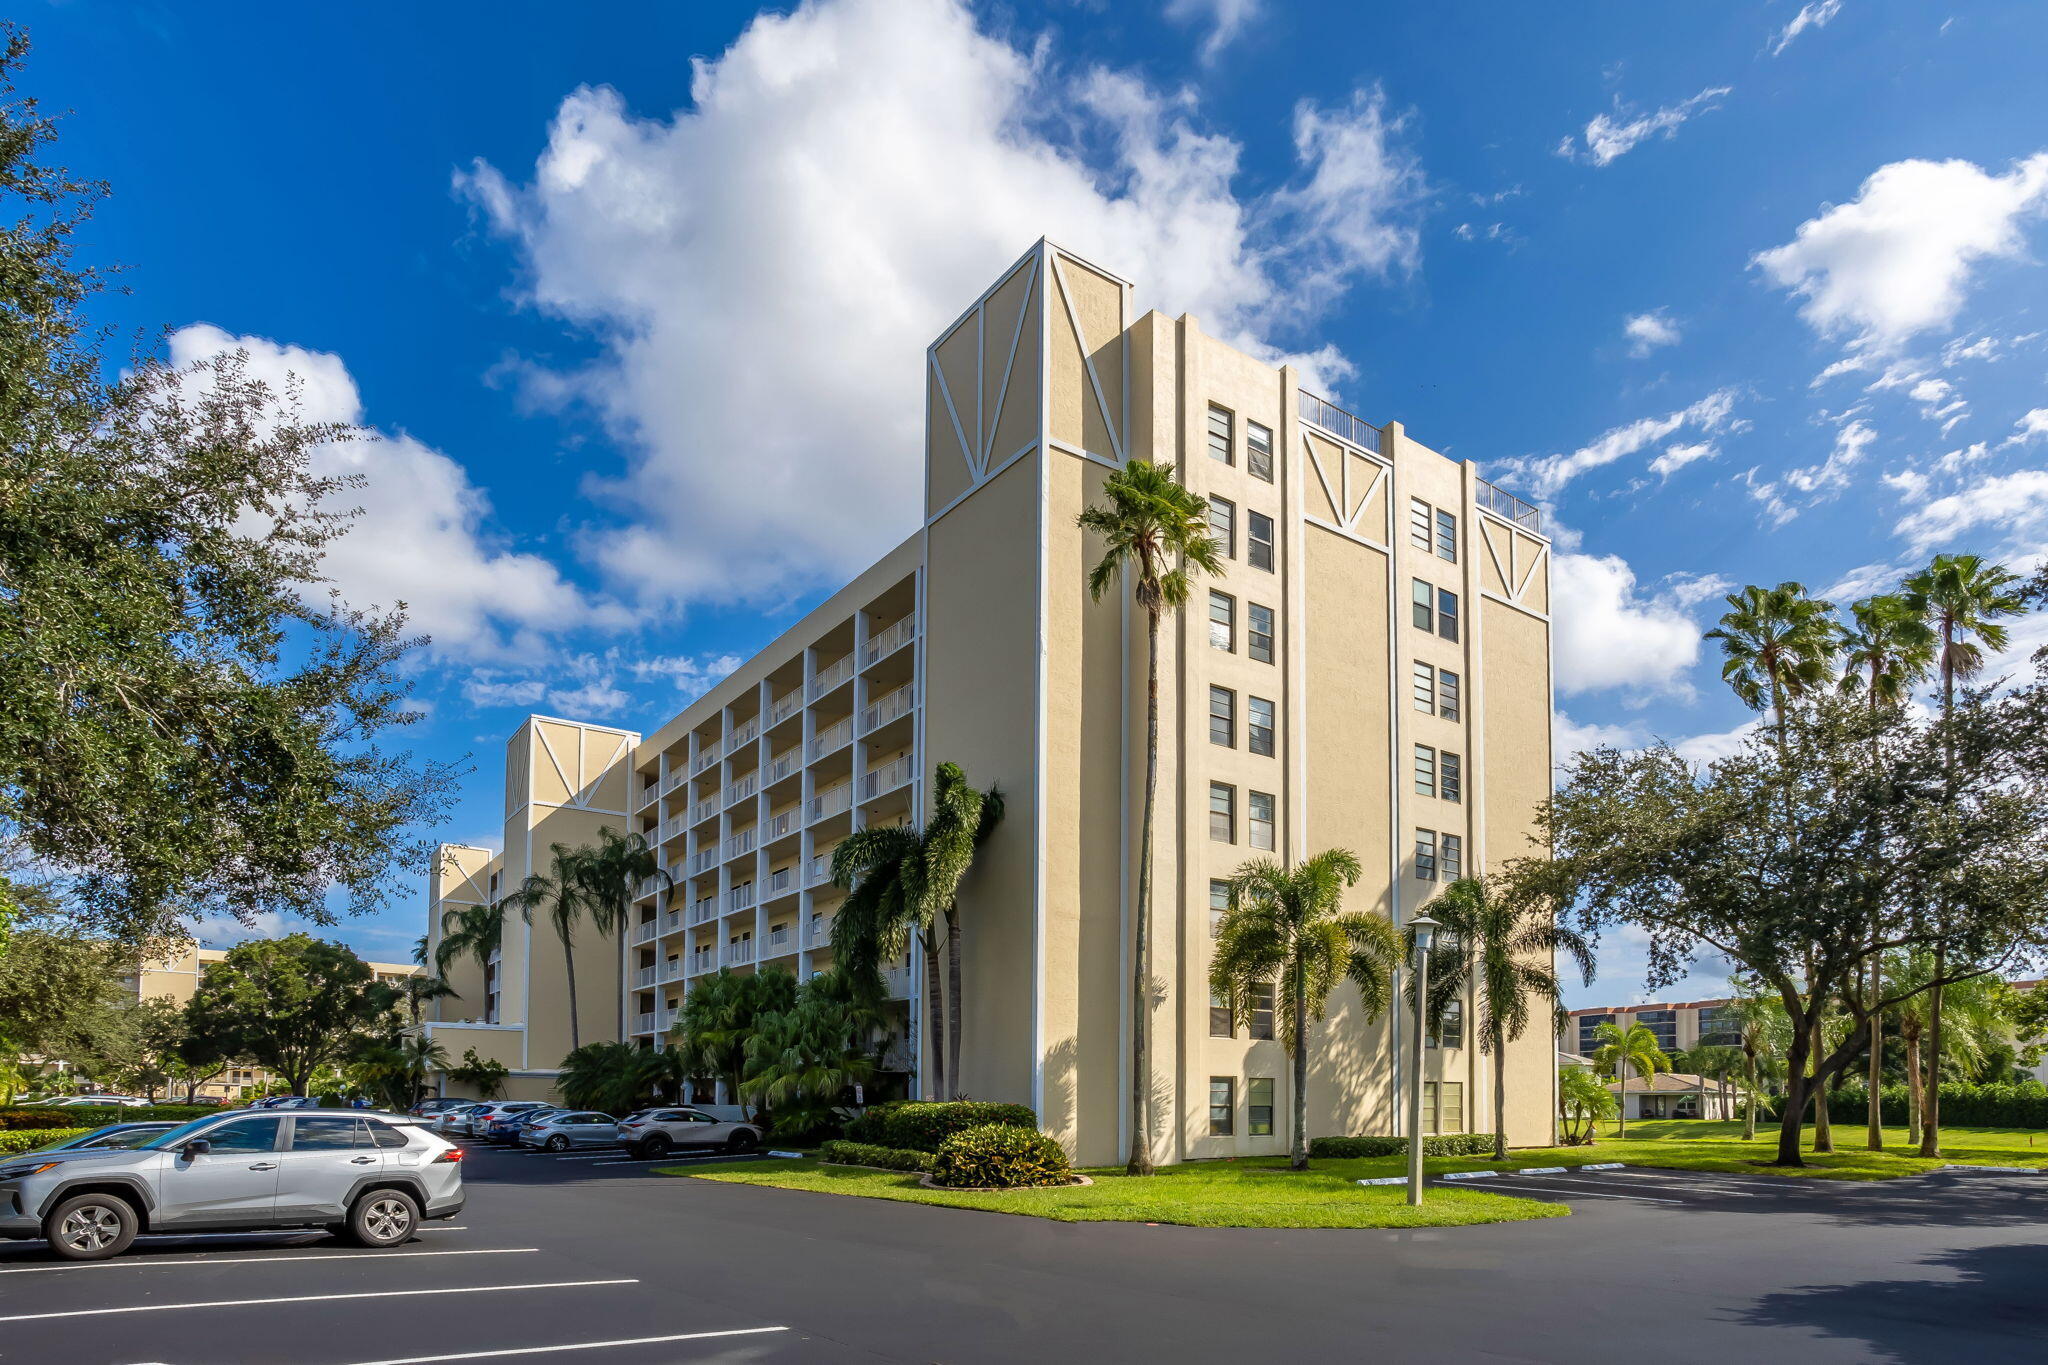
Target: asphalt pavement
<point x="592" y="1257"/>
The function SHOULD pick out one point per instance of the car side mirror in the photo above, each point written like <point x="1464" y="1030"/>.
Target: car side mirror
<point x="196" y="1147"/>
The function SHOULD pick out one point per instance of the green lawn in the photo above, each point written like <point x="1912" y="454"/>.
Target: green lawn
<point x="1259" y="1193"/>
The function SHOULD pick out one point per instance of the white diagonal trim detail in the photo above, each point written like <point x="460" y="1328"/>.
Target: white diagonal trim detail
<point x="1010" y="364"/>
<point x="574" y="791"/>
<point x="938" y="373"/>
<point x="1507" y="579"/>
<point x="1535" y="563"/>
<point x="1379" y="477"/>
<point x="1323" y="478"/>
<point x="1116" y="445"/>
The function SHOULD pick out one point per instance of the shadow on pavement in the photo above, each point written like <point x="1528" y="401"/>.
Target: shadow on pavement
<point x="1995" y="1295"/>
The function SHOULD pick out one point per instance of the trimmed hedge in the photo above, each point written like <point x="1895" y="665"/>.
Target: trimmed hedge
<point x="1002" y="1155"/>
<point x="1445" y="1144"/>
<point x="924" y="1125"/>
<point x="96" y="1116"/>
<point x="1963" y="1103"/>
<point x="866" y="1154"/>
<point x="24" y="1139"/>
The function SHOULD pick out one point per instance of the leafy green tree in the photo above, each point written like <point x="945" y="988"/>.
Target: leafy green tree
<point x="1963" y="599"/>
<point x="292" y="1004"/>
<point x="1501" y="953"/>
<point x="485" y="1075"/>
<point x="1582" y="1101"/>
<point x="190" y="722"/>
<point x="803" y="1064"/>
<point x="1155" y="536"/>
<point x="1625" y="1050"/>
<point x="1290" y="924"/>
<point x="55" y="986"/>
<point x="720" y="1015"/>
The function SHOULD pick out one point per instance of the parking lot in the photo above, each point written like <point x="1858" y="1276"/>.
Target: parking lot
<point x="591" y="1256"/>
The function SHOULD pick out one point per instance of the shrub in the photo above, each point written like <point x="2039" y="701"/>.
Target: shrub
<point x="72" y="1116"/>
<point x="865" y="1154"/>
<point x="1445" y="1144"/>
<point x="924" y="1125"/>
<point x="1963" y="1104"/>
<point x="1001" y="1155"/>
<point x="23" y="1139"/>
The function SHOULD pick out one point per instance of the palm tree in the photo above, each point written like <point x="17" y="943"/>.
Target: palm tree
<point x="960" y="822"/>
<point x="475" y="931"/>
<point x="1759" y="1021"/>
<point x="1963" y="599"/>
<point x="564" y="891"/>
<point x="882" y="871"/>
<point x="420" y="1054"/>
<point x="418" y="990"/>
<point x="611" y="871"/>
<point x="1888" y="650"/>
<point x="720" y="1014"/>
<point x="1291" y="923"/>
<point x="801" y="1063"/>
<point x="1155" y="532"/>
<point x="1622" y="1049"/>
<point x="1501" y="953"/>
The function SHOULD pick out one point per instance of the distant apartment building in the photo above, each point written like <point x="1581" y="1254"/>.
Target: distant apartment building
<point x="1371" y="671"/>
<point x="1677" y="1028"/>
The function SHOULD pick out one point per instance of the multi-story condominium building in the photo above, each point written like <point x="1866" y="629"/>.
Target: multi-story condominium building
<point x="1371" y="671"/>
<point x="1677" y="1028"/>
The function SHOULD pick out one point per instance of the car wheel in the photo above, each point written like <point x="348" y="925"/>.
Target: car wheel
<point x="91" y="1227"/>
<point x="656" y="1145"/>
<point x="558" y="1143"/>
<point x="383" y="1218"/>
<point x="743" y="1140"/>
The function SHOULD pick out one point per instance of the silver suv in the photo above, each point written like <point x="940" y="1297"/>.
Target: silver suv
<point x="369" y="1177"/>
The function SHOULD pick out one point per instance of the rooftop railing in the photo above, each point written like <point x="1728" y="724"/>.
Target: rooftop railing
<point x="1508" y="507"/>
<point x="1343" y="425"/>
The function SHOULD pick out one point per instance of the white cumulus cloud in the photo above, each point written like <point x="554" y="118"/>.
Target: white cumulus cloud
<point x="1606" y="634"/>
<point x="1548" y="474"/>
<point x="1813" y="16"/>
<point x="1680" y="454"/>
<point x="2010" y="508"/>
<point x="1647" y="331"/>
<point x="2030" y="427"/>
<point x="763" y="269"/>
<point x="1805" y="485"/>
<point x="1606" y="138"/>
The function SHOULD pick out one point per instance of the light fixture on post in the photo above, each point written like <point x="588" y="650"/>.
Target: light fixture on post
<point x="1424" y="929"/>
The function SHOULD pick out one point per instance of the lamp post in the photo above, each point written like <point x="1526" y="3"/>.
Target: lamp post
<point x="1424" y="928"/>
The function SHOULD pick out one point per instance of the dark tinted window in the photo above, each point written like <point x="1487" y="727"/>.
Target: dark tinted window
<point x="387" y="1136"/>
<point x="244" y="1135"/>
<point x="319" y="1134"/>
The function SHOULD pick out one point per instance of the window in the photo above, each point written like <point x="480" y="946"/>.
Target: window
<point x="1258" y="632"/>
<point x="1258" y="450"/>
<point x="1260" y="816"/>
<point x="1219" y="1016"/>
<point x="1423" y="602"/>
<point x="1425" y="855"/>
<point x="1418" y="523"/>
<point x="1220" y="435"/>
<point x="1222" y="813"/>
<point x="1663" y="1024"/>
<point x="1222" y="621"/>
<point x="1222" y="1105"/>
<point x="1717" y="1029"/>
<point x="244" y="1135"/>
<point x="1258" y="540"/>
<point x="1443" y="1107"/>
<point x="1450" y="1029"/>
<point x="1453" y="857"/>
<point x="1447" y="694"/>
<point x="1447" y="614"/>
<point x="1223" y="717"/>
<point x="1446" y="535"/>
<point x="317" y="1133"/>
<point x="1219" y="905"/>
<point x="1223" y="526"/>
<point x="1589" y="1025"/>
<point x="1425" y="689"/>
<point x="1262" y="1011"/>
<point x="1259" y="726"/>
<point x="1425" y="770"/>
<point x="384" y="1135"/>
<point x="1258" y="1106"/>
<point x="1450" y="784"/>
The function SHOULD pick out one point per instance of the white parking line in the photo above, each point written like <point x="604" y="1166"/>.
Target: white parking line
<point x="1503" y="1185"/>
<point x="1706" y="1178"/>
<point x="674" y="1158"/>
<point x="149" y="1262"/>
<point x="574" y="1346"/>
<point x="1659" y="1185"/>
<point x="307" y="1298"/>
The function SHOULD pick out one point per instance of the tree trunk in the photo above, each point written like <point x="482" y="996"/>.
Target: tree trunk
<point x="569" y="961"/>
<point x="1823" y="1130"/>
<point x="1299" y="1162"/>
<point x="953" y="997"/>
<point x="1795" y="1101"/>
<point x="1930" y="1109"/>
<point x="1913" y="1078"/>
<point x="1621" y="1109"/>
<point x="1874" y="1078"/>
<point x="934" y="1020"/>
<point x="1500" y="1096"/>
<point x="1749" y="1099"/>
<point x="1141" y="958"/>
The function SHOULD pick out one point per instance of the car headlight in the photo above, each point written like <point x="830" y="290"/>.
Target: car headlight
<point x="17" y="1171"/>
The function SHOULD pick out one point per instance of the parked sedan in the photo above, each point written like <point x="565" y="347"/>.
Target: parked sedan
<point x="455" y="1122"/>
<point x="561" y="1129"/>
<point x="662" y="1130"/>
<point x="503" y="1122"/>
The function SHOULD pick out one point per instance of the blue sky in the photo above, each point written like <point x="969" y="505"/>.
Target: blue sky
<point x="1745" y="291"/>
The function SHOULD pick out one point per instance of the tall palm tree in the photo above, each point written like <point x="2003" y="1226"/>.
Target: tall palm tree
<point x="564" y="891"/>
<point x="1622" y="1050"/>
<point x="1759" y="1022"/>
<point x="1885" y="654"/>
<point x="420" y="989"/>
<point x="961" y="820"/>
<point x="882" y="871"/>
<point x="420" y="1054"/>
<point x="1963" y="599"/>
<point x="1501" y="953"/>
<point x="611" y="871"/>
<point x="1291" y="923"/>
<point x="1155" y="532"/>
<point x="720" y="1014"/>
<point x="474" y="931"/>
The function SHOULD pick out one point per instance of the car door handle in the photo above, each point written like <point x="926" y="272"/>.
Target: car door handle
<point x="361" y="1160"/>
<point x="264" y="1166"/>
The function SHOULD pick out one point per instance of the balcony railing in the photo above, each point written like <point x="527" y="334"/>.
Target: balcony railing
<point x="829" y="677"/>
<point x="703" y="860"/>
<point x="739" y="954"/>
<point x="670" y="828"/>
<point x="643" y="1023"/>
<point x="888" y="641"/>
<point x="705" y="809"/>
<point x="644" y="977"/>
<point x="818" y="933"/>
<point x="736" y="792"/>
<point x="707" y="757"/>
<point x="820" y="870"/>
<point x="838" y="733"/>
<point x="888" y="777"/>
<point x="896" y="983"/>
<point x="828" y="802"/>
<point x="674" y="779"/>
<point x="741" y="843"/>
<point x="781" y="881"/>
<point x="741" y="897"/>
<point x="671" y="970"/>
<point x="703" y="960"/>
<point x="776" y="826"/>
<point x="645" y="931"/>
<point x="786" y="705"/>
<point x="643" y="795"/>
<point x="744" y="734"/>
<point x="1339" y="423"/>
<point x="704" y="911"/>
<point x="664" y="1020"/>
<point x="785" y="763"/>
<point x="888" y="707"/>
<point x="779" y="941"/>
<point x="647" y="887"/>
<point x="671" y="921"/>
<point x="1508" y="507"/>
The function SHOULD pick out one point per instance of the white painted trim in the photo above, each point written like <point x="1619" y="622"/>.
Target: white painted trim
<point x="1493" y="596"/>
<point x="1008" y="460"/>
<point x="945" y="392"/>
<point x="1038" y="718"/>
<point x="1521" y="589"/>
<point x="1087" y="361"/>
<point x="1083" y="453"/>
<point x="1496" y="517"/>
<point x="1367" y="541"/>
<point x="1009" y="364"/>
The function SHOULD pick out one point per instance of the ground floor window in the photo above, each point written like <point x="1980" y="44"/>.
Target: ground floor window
<point x="1443" y="1107"/>
<point x="1222" y="1106"/>
<point x="1258" y="1104"/>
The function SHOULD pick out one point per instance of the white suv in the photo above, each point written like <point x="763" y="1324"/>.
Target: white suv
<point x="369" y="1177"/>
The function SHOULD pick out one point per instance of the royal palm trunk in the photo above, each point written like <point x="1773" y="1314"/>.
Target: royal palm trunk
<point x="1140" y="1162"/>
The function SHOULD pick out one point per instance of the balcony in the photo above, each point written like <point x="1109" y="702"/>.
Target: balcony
<point x="644" y="977"/>
<point x="741" y="897"/>
<point x="836" y="735"/>
<point x="778" y="825"/>
<point x="671" y="970"/>
<point x="704" y="911"/>
<point x="888" y="707"/>
<point x="671" y="922"/>
<point x="886" y="642"/>
<point x="819" y="873"/>
<point x="781" y="939"/>
<point x="785" y="706"/>
<point x="643" y="1023"/>
<point x="747" y="732"/>
<point x="645" y="931"/>
<point x="888" y="777"/>
<point x="705" y="809"/>
<point x="647" y="887"/>
<point x="829" y="677"/>
<point x="1508" y="507"/>
<point x="896" y="983"/>
<point x="1339" y="423"/>
<point x="643" y="795"/>
<point x="829" y="802"/>
<point x="706" y="758"/>
<point x="665" y="1019"/>
<point x="781" y="882"/>
<point x="736" y="792"/>
<point x="740" y="844"/>
<point x="784" y="763"/>
<point x="670" y="828"/>
<point x="818" y="933"/>
<point x="739" y="954"/>
<point x="703" y="960"/>
<point x="702" y="861"/>
<point x="674" y="780"/>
